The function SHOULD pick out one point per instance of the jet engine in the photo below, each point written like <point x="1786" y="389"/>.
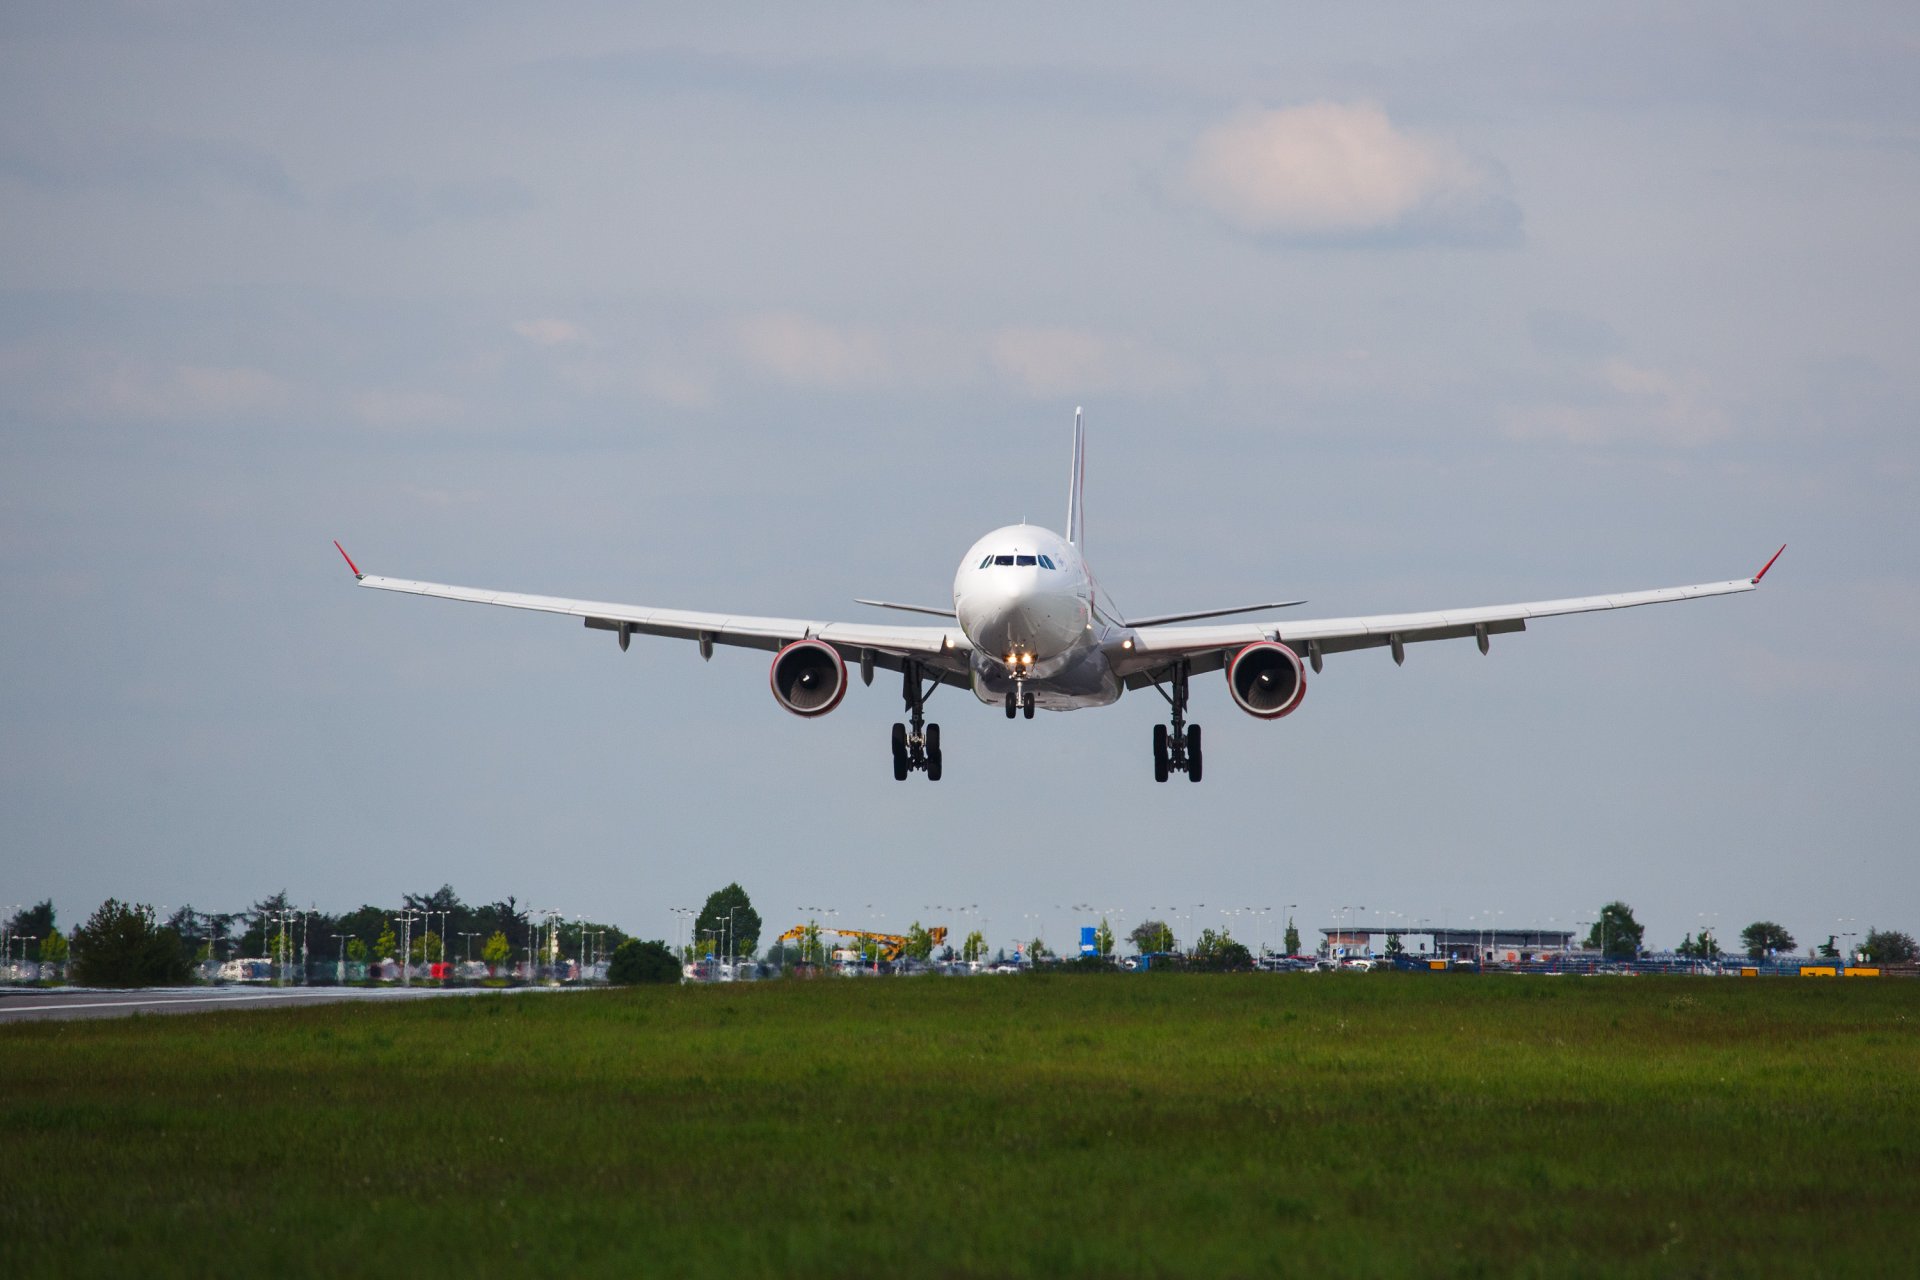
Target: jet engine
<point x="808" y="677"/>
<point x="1266" y="679"/>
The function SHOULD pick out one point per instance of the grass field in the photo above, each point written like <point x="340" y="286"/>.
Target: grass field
<point x="1324" y="1125"/>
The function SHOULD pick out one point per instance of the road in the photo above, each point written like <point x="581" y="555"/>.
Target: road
<point x="40" y="1004"/>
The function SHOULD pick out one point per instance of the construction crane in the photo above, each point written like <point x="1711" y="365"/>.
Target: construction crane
<point x="890" y="944"/>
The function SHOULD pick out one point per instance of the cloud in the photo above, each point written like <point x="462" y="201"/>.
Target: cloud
<point x="1629" y="404"/>
<point x="812" y="353"/>
<point x="1329" y="171"/>
<point x="406" y="408"/>
<point x="187" y="391"/>
<point x="549" y="332"/>
<point x="1060" y="361"/>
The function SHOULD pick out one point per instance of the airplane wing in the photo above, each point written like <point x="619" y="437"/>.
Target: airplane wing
<point x="940" y="650"/>
<point x="1208" y="648"/>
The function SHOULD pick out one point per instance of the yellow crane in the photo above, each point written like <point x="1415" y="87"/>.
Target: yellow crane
<point x="890" y="944"/>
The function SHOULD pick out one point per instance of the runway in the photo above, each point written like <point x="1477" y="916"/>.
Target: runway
<point x="41" y="1004"/>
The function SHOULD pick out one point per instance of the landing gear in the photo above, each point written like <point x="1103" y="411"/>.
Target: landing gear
<point x="917" y="747"/>
<point x="1020" y="700"/>
<point x="1176" y="747"/>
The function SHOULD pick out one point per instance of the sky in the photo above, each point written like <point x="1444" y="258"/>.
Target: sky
<point x="765" y="308"/>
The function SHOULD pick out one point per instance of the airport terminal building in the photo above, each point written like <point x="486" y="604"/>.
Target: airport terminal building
<point x="1488" y="946"/>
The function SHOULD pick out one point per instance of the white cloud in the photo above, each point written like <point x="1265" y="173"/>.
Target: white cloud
<point x="1060" y="361"/>
<point x="406" y="408"/>
<point x="1630" y="404"/>
<point x="1335" y="171"/>
<point x="550" y="332"/>
<point x="812" y="353"/>
<point x="187" y="391"/>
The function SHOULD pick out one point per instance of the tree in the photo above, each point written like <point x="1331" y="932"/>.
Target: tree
<point x="743" y="934"/>
<point x="386" y="944"/>
<point x="33" y="922"/>
<point x="1889" y="946"/>
<point x="122" y="946"/>
<point x="1103" y="938"/>
<point x="1828" y="951"/>
<point x="635" y="962"/>
<point x="974" y="947"/>
<point x="1038" y="950"/>
<point x="1151" y="937"/>
<point x="919" y="942"/>
<point x="427" y="949"/>
<point x="1616" y="933"/>
<point x="1293" y="938"/>
<point x="53" y="949"/>
<point x="1763" y="938"/>
<point x="1220" y="951"/>
<point x="1394" y="946"/>
<point x="495" y="951"/>
<point x="356" y="951"/>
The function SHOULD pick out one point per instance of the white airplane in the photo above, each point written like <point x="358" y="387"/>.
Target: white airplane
<point x="1030" y="629"/>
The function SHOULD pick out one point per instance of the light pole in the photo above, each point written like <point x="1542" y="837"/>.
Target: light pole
<point x="1347" y="937"/>
<point x="407" y="918"/>
<point x="340" y="958"/>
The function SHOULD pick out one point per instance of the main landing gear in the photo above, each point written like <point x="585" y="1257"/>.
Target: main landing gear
<point x="917" y="747"/>
<point x="1176" y="748"/>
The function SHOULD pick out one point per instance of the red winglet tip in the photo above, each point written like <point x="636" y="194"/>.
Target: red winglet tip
<point x="1768" y="565"/>
<point x="358" y="575"/>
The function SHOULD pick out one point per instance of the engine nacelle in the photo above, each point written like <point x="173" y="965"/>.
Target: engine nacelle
<point x="1266" y="679"/>
<point x="808" y="677"/>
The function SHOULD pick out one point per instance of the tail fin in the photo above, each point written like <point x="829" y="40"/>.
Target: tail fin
<point x="1076" y="510"/>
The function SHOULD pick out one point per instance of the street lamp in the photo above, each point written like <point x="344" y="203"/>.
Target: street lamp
<point x="1347" y="937"/>
<point x="340" y="963"/>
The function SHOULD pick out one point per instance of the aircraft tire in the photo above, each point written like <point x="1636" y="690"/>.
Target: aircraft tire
<point x="1193" y="753"/>
<point x="1028" y="708"/>
<point x="934" y="761"/>
<point x="1159" y="753"/>
<point x="900" y="765"/>
<point x="1010" y="710"/>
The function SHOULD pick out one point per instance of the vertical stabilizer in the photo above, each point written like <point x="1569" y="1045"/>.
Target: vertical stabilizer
<point x="1076" y="509"/>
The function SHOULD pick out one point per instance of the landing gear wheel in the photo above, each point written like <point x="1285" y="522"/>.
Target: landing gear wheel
<point x="1159" y="753"/>
<point x="1010" y="704"/>
<point x="1026" y="704"/>
<point x="901" y="763"/>
<point x="933" y="753"/>
<point x="1193" y="753"/>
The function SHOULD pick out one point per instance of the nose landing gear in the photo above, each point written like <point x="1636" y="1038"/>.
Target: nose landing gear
<point x="1176" y="747"/>
<point x="1020" y="699"/>
<point x="918" y="747"/>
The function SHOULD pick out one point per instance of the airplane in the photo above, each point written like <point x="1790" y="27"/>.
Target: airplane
<point x="1030" y="628"/>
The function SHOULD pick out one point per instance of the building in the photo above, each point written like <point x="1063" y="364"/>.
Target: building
<point x="1488" y="946"/>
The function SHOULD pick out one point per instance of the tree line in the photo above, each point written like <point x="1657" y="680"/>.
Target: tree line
<point x="129" y="944"/>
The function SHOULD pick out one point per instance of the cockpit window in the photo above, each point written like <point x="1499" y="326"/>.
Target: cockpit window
<point x="984" y="563"/>
<point x="1003" y="559"/>
<point x="1045" y="563"/>
<point x="1023" y="560"/>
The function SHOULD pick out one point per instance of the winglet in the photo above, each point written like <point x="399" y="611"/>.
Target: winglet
<point x="1076" y="513"/>
<point x="357" y="575"/>
<point x="1768" y="565"/>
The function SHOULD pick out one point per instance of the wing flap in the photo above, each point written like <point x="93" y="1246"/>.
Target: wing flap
<point x="946" y="645"/>
<point x="1153" y="645"/>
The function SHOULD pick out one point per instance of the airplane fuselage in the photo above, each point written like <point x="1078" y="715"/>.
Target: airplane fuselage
<point x="1025" y="599"/>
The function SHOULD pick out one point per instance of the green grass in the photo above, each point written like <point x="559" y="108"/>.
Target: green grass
<point x="1324" y="1125"/>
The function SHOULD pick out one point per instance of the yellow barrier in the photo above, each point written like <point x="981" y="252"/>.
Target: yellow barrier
<point x="1816" y="971"/>
<point x="1436" y="964"/>
<point x="1863" y="973"/>
<point x="1748" y="971"/>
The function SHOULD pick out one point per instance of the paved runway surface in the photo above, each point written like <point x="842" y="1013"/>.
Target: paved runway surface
<point x="39" y="1004"/>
